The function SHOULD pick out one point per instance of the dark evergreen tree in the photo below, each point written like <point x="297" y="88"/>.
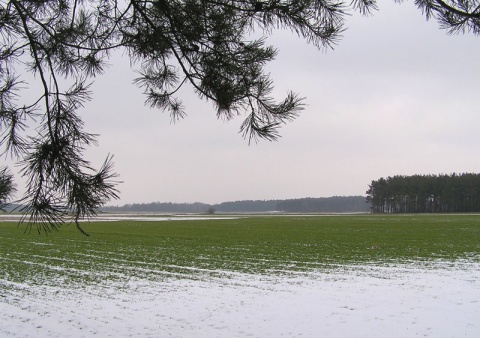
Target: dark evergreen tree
<point x="427" y="193"/>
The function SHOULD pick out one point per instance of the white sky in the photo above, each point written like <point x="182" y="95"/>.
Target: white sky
<point x="396" y="96"/>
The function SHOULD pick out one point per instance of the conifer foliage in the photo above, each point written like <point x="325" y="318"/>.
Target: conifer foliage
<point x="425" y="193"/>
<point x="7" y="187"/>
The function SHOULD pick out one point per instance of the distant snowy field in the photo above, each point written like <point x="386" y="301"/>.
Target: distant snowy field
<point x="442" y="300"/>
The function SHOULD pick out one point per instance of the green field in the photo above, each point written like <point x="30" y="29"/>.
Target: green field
<point x="262" y="245"/>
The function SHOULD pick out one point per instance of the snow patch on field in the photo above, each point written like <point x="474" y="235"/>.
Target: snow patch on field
<point x="406" y="300"/>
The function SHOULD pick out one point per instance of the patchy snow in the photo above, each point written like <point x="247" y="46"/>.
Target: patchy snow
<point x="369" y="301"/>
<point x="153" y="217"/>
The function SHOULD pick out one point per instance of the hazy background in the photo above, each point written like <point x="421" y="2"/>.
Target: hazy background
<point x="396" y="96"/>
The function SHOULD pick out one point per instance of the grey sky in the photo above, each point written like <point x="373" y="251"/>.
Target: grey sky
<point x="396" y="96"/>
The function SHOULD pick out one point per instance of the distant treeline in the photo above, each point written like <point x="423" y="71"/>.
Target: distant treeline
<point x="325" y="204"/>
<point x="425" y="193"/>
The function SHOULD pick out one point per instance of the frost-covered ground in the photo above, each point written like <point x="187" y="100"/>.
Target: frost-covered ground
<point x="396" y="301"/>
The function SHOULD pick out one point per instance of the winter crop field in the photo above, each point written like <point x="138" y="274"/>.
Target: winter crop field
<point x="248" y="276"/>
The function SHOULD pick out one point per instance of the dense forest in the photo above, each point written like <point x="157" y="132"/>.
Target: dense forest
<point x="336" y="204"/>
<point x="425" y="193"/>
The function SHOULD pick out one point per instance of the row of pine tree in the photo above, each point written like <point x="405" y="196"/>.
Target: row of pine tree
<point x="425" y="193"/>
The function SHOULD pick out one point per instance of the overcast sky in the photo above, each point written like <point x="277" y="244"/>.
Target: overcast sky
<point x="397" y="96"/>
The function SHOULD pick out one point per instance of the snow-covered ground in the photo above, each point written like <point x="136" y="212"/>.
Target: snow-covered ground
<point x="369" y="301"/>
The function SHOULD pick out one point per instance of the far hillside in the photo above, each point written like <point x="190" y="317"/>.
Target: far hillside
<point x="336" y="204"/>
